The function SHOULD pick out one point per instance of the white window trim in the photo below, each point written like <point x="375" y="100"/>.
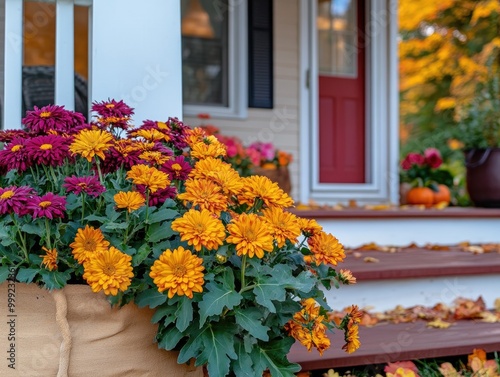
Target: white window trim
<point x="237" y="65"/>
<point x="382" y="111"/>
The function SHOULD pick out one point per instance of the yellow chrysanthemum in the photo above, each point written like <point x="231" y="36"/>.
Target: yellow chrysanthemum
<point x="195" y="135"/>
<point x="131" y="200"/>
<point x="204" y="194"/>
<point x="260" y="187"/>
<point x="208" y="167"/>
<point x="352" y="339"/>
<point x="151" y="135"/>
<point x="148" y="176"/>
<point x="49" y="259"/>
<point x="284" y="225"/>
<point x="319" y="337"/>
<point x="309" y="227"/>
<point x="250" y="234"/>
<point x="109" y="271"/>
<point x="326" y="249"/>
<point x="155" y="157"/>
<point x="200" y="229"/>
<point x="90" y="143"/>
<point x="179" y="272"/>
<point x="88" y="241"/>
<point x="209" y="147"/>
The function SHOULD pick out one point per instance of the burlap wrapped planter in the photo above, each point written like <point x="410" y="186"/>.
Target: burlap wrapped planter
<point x="74" y="332"/>
<point x="280" y="175"/>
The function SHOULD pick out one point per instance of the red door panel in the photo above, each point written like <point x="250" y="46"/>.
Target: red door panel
<point x="342" y="120"/>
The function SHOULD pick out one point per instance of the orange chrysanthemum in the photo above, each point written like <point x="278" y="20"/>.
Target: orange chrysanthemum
<point x="326" y="249"/>
<point x="109" y="271"/>
<point x="210" y="146"/>
<point x="88" y="241"/>
<point x="308" y="327"/>
<point x="131" y="200"/>
<point x="204" y="194"/>
<point x="195" y="135"/>
<point x="260" y="187"/>
<point x="345" y="277"/>
<point x="90" y="143"/>
<point x="355" y="315"/>
<point x="284" y="225"/>
<point x="200" y="229"/>
<point x="352" y="339"/>
<point x="250" y="234"/>
<point x="179" y="272"/>
<point x="148" y="176"/>
<point x="49" y="259"/>
<point x="309" y="227"/>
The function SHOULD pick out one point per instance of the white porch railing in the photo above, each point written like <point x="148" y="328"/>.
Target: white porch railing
<point x="134" y="55"/>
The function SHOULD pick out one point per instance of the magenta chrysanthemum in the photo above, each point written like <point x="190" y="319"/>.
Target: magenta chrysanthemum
<point x="6" y="136"/>
<point x="177" y="168"/>
<point x="113" y="113"/>
<point x="158" y="197"/>
<point x="49" y="118"/>
<point x="48" y="205"/>
<point x="15" y="155"/>
<point x="112" y="108"/>
<point x="13" y="199"/>
<point x="88" y="184"/>
<point x="49" y="150"/>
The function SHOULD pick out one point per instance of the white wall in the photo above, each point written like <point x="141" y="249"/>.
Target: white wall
<point x="136" y="56"/>
<point x="2" y="42"/>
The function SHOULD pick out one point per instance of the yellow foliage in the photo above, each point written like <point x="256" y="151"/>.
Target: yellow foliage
<point x="485" y="9"/>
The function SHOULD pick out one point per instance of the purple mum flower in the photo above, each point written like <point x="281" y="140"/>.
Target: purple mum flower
<point x="49" y="150"/>
<point x="49" y="118"/>
<point x="88" y="184"/>
<point x="15" y="155"/>
<point x="177" y="168"/>
<point x="13" y="199"/>
<point x="48" y="205"/>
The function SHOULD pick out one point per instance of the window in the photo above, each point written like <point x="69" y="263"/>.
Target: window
<point x="214" y="50"/>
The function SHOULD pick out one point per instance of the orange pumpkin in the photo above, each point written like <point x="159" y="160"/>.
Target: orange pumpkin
<point x="442" y="195"/>
<point x="420" y="195"/>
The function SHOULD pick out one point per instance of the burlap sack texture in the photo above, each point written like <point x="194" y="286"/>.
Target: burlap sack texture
<point x="103" y="341"/>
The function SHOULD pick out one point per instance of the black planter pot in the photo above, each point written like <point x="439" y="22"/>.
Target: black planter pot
<point x="483" y="176"/>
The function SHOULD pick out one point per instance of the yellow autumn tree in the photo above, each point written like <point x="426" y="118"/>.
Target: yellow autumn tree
<point x="445" y="49"/>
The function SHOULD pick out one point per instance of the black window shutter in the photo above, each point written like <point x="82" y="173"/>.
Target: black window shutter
<point x="260" y="53"/>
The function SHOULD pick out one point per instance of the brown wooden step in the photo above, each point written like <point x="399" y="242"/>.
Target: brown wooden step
<point x="387" y="342"/>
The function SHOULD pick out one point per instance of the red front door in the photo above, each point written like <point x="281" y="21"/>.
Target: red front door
<point x="341" y="50"/>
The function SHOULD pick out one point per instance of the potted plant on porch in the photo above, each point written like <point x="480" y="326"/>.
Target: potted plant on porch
<point x="153" y="218"/>
<point x="479" y="131"/>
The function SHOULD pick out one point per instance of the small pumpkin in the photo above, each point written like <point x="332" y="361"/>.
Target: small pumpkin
<point x="420" y="195"/>
<point x="442" y="195"/>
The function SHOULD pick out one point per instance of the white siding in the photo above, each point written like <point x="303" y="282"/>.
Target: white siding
<point x="279" y="125"/>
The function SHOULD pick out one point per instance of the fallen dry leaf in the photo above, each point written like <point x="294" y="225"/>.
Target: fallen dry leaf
<point x="370" y="246"/>
<point x="370" y="260"/>
<point x="497" y="305"/>
<point x="489" y="317"/>
<point x="439" y="324"/>
<point x="469" y="309"/>
<point x="441" y="205"/>
<point x="357" y="254"/>
<point x="474" y="249"/>
<point x="436" y="247"/>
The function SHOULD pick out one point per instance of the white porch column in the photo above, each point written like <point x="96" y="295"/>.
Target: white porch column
<point x="13" y="63"/>
<point x="135" y="55"/>
<point x="65" y="52"/>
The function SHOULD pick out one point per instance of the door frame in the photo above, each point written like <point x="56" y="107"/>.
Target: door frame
<point x="382" y="136"/>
